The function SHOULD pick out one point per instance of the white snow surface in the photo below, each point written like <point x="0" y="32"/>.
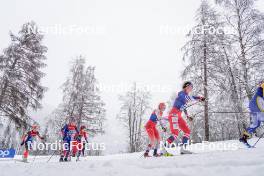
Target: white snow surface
<point x="240" y="162"/>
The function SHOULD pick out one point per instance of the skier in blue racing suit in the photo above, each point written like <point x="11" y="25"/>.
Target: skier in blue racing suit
<point x="256" y="107"/>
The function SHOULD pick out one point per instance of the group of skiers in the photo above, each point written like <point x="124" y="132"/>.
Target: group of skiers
<point x="71" y="134"/>
<point x="73" y="141"/>
<point x="177" y="122"/>
<point x="73" y="137"/>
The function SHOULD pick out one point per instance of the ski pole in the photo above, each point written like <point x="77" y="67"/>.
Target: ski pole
<point x="226" y="112"/>
<point x="258" y="140"/>
<point x="51" y="156"/>
<point x="192" y="104"/>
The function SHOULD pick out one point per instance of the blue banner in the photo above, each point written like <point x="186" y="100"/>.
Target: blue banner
<point x="9" y="153"/>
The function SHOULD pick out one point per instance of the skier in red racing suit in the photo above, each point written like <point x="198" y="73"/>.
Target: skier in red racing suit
<point x="152" y="131"/>
<point x="175" y="118"/>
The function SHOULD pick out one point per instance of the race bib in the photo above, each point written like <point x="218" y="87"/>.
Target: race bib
<point x="260" y="103"/>
<point x="174" y="119"/>
<point x="175" y="126"/>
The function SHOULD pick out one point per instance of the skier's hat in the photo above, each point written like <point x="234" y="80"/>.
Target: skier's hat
<point x="162" y="106"/>
<point x="83" y="127"/>
<point x="187" y="84"/>
<point x="34" y="127"/>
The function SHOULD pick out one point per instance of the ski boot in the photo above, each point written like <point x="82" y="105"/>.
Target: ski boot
<point x="61" y="159"/>
<point x="24" y="159"/>
<point x="77" y="159"/>
<point x="183" y="150"/>
<point x="146" y="154"/>
<point x="155" y="153"/>
<point x="245" y="137"/>
<point x="184" y="145"/>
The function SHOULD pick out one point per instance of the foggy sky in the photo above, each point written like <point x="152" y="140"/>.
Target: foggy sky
<point x="125" y="41"/>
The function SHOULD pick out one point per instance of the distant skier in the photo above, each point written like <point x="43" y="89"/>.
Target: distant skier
<point x="69" y="132"/>
<point x="84" y="137"/>
<point x="256" y="107"/>
<point x="176" y="120"/>
<point x="28" y="139"/>
<point x="152" y="131"/>
<point x="81" y="139"/>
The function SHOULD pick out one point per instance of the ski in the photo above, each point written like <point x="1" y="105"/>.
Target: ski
<point x="21" y="160"/>
<point x="247" y="144"/>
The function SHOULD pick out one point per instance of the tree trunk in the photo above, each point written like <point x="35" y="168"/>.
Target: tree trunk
<point x="205" y="87"/>
<point x="206" y="115"/>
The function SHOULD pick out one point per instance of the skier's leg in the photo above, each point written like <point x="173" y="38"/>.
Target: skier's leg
<point x="151" y="135"/>
<point x="83" y="149"/>
<point x="186" y="130"/>
<point x="79" y="151"/>
<point x="67" y="150"/>
<point x="64" y="149"/>
<point x="254" y="122"/>
<point x="74" y="148"/>
<point x="185" y="139"/>
<point x="157" y="140"/>
<point x="26" y="152"/>
<point x="173" y="121"/>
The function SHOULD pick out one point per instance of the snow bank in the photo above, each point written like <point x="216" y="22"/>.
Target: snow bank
<point x="239" y="162"/>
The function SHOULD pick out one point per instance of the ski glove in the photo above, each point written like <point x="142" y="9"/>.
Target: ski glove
<point x="190" y="118"/>
<point x="164" y="129"/>
<point x="22" y="143"/>
<point x="202" y="99"/>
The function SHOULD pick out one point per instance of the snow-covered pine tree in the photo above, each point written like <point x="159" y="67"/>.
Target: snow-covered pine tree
<point x="20" y="76"/>
<point x="246" y="34"/>
<point x="81" y="100"/>
<point x="81" y="96"/>
<point x="244" y="53"/>
<point x="135" y="103"/>
<point x="200" y="51"/>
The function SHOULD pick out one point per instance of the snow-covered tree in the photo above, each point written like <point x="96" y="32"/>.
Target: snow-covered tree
<point x="243" y="53"/>
<point x="227" y="63"/>
<point x="135" y="103"/>
<point x="246" y="27"/>
<point x="81" y="96"/>
<point x="81" y="100"/>
<point x="20" y="76"/>
<point x="201" y="51"/>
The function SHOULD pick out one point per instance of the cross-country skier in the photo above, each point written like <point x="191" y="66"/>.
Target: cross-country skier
<point x="175" y="118"/>
<point x="69" y="132"/>
<point x="81" y="139"/>
<point x="84" y="137"/>
<point x="28" y="139"/>
<point x="152" y="131"/>
<point x="256" y="107"/>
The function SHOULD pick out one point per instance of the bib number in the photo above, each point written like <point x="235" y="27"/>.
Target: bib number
<point x="260" y="104"/>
